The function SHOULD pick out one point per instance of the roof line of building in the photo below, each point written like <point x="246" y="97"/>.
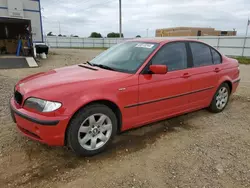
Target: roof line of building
<point x="27" y="10"/>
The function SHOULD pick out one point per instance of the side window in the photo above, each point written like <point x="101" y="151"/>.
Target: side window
<point x="216" y="57"/>
<point x="201" y="54"/>
<point x="174" y="55"/>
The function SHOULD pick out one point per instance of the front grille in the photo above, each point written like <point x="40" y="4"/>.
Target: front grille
<point x="18" y="97"/>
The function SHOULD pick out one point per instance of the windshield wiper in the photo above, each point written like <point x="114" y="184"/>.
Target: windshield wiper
<point x="103" y="66"/>
<point x="89" y="63"/>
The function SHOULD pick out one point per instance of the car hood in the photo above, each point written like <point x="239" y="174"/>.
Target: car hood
<point x="67" y="77"/>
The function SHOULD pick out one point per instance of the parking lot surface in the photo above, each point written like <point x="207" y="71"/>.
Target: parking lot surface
<point x="199" y="149"/>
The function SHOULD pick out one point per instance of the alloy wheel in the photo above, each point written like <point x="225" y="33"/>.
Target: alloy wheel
<point x="222" y="98"/>
<point x="95" y="131"/>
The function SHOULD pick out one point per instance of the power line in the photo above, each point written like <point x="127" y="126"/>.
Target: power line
<point x="86" y="1"/>
<point x="90" y="22"/>
<point x="93" y="6"/>
<point x="106" y="2"/>
<point x="83" y="9"/>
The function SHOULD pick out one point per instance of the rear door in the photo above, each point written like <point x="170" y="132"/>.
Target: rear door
<point x="204" y="74"/>
<point x="163" y="95"/>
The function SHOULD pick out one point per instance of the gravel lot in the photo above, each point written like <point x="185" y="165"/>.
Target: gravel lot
<point x="199" y="149"/>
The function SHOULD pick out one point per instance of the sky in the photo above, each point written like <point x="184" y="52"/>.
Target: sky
<point x="81" y="17"/>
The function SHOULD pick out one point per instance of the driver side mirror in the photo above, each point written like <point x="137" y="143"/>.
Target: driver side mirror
<point x="158" y="69"/>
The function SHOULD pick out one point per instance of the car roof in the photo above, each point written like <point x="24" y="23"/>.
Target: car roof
<point x="162" y="40"/>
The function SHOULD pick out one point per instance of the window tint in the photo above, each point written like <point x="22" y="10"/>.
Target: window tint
<point x="216" y="56"/>
<point x="201" y="54"/>
<point x="173" y="55"/>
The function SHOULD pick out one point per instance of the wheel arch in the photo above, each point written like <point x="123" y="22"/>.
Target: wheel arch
<point x="230" y="84"/>
<point x="211" y="105"/>
<point x="227" y="80"/>
<point x="113" y="106"/>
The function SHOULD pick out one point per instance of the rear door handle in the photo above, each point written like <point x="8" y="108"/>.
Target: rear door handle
<point x="186" y="75"/>
<point x="217" y="69"/>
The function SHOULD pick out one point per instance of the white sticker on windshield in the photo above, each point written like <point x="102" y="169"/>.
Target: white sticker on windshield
<point x="140" y="45"/>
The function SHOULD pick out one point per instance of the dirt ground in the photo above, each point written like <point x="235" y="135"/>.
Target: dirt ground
<point x="199" y="149"/>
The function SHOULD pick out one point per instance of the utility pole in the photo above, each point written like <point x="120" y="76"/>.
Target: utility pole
<point x="59" y="28"/>
<point x="147" y="14"/>
<point x="244" y="45"/>
<point x="120" y="15"/>
<point x="248" y="22"/>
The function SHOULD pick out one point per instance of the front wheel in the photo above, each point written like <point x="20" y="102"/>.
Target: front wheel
<point x="91" y="130"/>
<point x="220" y="98"/>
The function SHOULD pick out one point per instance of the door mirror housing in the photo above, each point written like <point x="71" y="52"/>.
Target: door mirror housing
<point x="158" y="69"/>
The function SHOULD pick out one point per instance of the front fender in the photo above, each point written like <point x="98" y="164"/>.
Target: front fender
<point x="85" y="98"/>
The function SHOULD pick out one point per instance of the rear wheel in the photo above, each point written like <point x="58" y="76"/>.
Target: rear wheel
<point x="91" y="130"/>
<point x="220" y="98"/>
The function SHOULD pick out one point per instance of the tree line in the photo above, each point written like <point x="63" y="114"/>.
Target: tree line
<point x="109" y="35"/>
<point x="94" y="35"/>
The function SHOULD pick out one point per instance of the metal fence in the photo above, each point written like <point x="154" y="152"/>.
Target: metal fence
<point x="75" y="42"/>
<point x="228" y="45"/>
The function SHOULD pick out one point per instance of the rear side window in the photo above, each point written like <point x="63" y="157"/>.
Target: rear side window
<point x="201" y="54"/>
<point x="174" y="55"/>
<point x="216" y="56"/>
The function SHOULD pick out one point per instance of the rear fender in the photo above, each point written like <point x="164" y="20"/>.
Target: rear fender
<point x="222" y="80"/>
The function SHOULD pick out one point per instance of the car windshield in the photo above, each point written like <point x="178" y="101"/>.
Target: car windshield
<point x="125" y="57"/>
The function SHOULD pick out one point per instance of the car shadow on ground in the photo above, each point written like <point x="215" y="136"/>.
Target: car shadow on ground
<point x="47" y="162"/>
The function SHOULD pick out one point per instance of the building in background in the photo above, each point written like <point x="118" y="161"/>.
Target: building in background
<point x="26" y="10"/>
<point x="21" y="32"/>
<point x="192" y="31"/>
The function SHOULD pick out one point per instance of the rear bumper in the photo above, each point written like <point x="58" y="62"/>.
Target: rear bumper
<point x="235" y="84"/>
<point x="48" y="130"/>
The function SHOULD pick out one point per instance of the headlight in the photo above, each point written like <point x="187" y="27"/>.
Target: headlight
<point x="42" y="105"/>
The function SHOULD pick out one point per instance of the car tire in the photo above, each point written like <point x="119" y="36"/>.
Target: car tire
<point x="91" y="130"/>
<point x="220" y="99"/>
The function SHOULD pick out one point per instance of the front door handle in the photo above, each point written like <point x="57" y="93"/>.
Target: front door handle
<point x="186" y="75"/>
<point x="217" y="69"/>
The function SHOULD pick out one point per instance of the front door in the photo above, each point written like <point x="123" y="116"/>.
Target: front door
<point x="164" y="95"/>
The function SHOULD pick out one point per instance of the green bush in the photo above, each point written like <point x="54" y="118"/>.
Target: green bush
<point x="243" y="60"/>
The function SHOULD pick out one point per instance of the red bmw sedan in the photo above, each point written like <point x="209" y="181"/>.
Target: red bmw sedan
<point x="129" y="85"/>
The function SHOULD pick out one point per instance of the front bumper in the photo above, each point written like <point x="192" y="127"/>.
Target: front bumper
<point x="48" y="130"/>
